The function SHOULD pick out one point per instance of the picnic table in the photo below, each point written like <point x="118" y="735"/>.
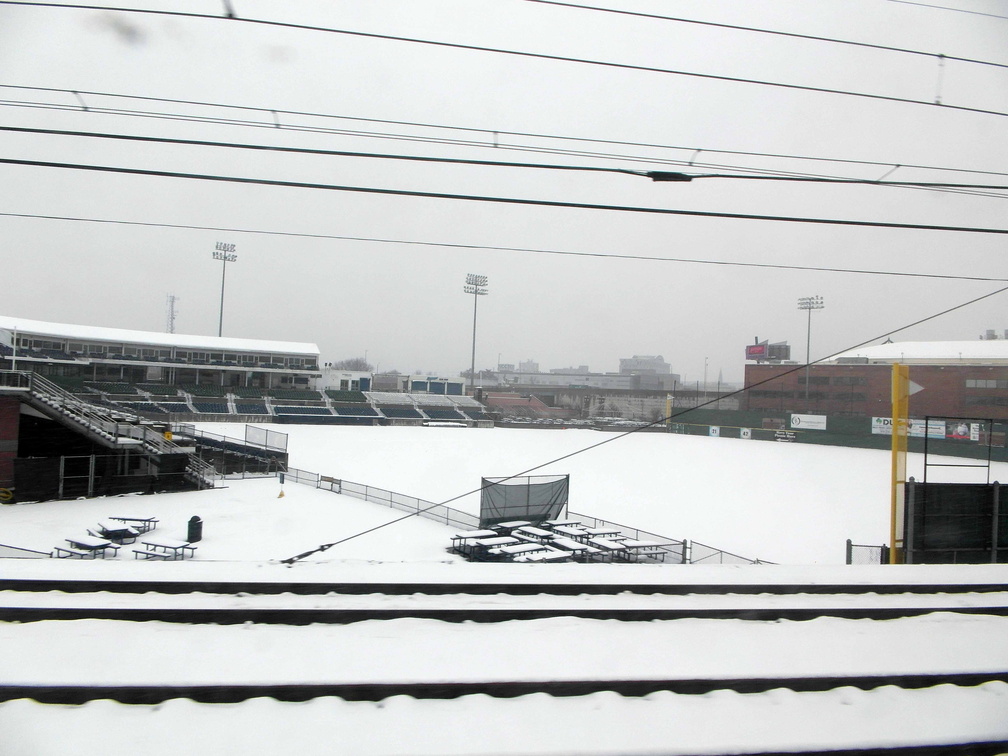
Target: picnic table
<point x="518" y="548"/>
<point x="92" y="544"/>
<point x="143" y="524"/>
<point x="118" y="533"/>
<point x="505" y="528"/>
<point x="609" y="532"/>
<point x="530" y="531"/>
<point x="482" y="546"/>
<point x="652" y="549"/>
<point x="551" y="555"/>
<point x="171" y="546"/>
<point x="609" y="548"/>
<point x="461" y="542"/>
<point x="570" y="531"/>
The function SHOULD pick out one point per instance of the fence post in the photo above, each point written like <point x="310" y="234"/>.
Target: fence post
<point x="850" y="551"/>
<point x="60" y="491"/>
<point x="685" y="551"/>
<point x="994" y="522"/>
<point x="90" y="481"/>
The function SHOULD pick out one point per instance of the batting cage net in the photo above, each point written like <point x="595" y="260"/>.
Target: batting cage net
<point x="533" y="499"/>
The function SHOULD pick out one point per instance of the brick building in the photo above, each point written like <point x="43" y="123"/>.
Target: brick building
<point x="957" y="379"/>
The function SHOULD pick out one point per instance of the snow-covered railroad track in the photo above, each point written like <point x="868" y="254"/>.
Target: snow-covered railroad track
<point x="297" y="692"/>
<point x="294" y="609"/>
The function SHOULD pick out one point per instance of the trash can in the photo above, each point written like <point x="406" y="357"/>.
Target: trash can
<point x="195" y="529"/>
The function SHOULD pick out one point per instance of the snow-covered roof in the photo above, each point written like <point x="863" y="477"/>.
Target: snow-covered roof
<point x="153" y="338"/>
<point x="992" y="350"/>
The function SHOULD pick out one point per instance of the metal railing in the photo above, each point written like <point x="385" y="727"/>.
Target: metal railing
<point x="112" y="425"/>
<point x="17" y="552"/>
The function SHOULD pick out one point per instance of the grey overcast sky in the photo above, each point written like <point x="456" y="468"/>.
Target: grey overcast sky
<point x="382" y="274"/>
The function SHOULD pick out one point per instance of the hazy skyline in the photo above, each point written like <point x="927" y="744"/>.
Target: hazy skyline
<point x="382" y="274"/>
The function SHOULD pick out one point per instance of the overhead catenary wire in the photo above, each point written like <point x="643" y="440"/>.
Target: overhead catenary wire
<point x="654" y="175"/>
<point x="772" y="32"/>
<point x="500" y="200"/>
<point x="947" y="8"/>
<point x="639" y="68"/>
<point x="493" y="136"/>
<point x="501" y="146"/>
<point x="525" y="250"/>
<point x="663" y="421"/>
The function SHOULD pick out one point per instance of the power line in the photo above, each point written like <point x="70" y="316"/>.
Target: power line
<point x="492" y="135"/>
<point x="498" y="145"/>
<point x="662" y="421"/>
<point x="500" y="200"/>
<point x="773" y="32"/>
<point x="529" y="250"/>
<point x="945" y="7"/>
<point x="521" y="54"/>
<point x="661" y="176"/>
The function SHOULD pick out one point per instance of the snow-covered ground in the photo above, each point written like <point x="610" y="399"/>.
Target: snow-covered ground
<point x="791" y="504"/>
<point x="781" y="502"/>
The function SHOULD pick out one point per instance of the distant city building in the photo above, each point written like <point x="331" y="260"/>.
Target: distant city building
<point x="581" y="369"/>
<point x="529" y="366"/>
<point x="644" y="365"/>
<point x="991" y="335"/>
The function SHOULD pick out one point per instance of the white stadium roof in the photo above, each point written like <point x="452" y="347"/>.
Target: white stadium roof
<point x="992" y="350"/>
<point x="153" y="338"/>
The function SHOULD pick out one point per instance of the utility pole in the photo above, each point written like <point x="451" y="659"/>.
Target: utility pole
<point x="809" y="304"/>
<point x="477" y="286"/>
<point x="225" y="253"/>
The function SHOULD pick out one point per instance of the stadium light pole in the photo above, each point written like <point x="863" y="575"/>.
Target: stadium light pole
<point x="225" y="253"/>
<point x="809" y="304"/>
<point x="477" y="286"/>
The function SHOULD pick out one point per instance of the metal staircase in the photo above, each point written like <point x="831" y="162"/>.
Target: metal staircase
<point x="110" y="427"/>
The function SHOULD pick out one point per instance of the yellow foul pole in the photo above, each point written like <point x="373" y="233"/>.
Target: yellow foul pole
<point x="900" y="429"/>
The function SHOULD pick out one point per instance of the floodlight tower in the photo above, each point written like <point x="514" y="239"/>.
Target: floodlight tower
<point x="809" y="303"/>
<point x="225" y="253"/>
<point x="477" y="286"/>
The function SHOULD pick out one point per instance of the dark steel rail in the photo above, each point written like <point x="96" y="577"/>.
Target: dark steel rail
<point x="295" y="692"/>
<point x="239" y="616"/>
<point x="481" y="588"/>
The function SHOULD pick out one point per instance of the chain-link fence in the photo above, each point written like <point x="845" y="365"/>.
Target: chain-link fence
<point x="701" y="553"/>
<point x="859" y="553"/>
<point x="391" y="499"/>
<point x="671" y="550"/>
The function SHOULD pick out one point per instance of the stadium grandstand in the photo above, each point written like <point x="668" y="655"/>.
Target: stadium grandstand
<point x="184" y="378"/>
